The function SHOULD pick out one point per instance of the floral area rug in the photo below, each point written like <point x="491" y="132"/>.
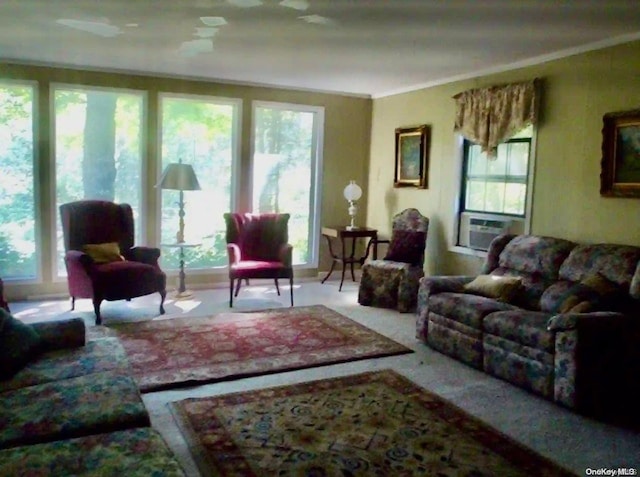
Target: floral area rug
<point x="178" y="352"/>
<point x="370" y="424"/>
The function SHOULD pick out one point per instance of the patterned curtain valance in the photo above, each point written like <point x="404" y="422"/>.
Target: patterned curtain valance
<point x="490" y="116"/>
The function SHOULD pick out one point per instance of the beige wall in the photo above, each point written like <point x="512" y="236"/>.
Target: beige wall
<point x="346" y="148"/>
<point x="577" y="91"/>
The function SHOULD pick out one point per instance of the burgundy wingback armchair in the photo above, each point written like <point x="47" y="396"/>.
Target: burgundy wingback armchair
<point x="135" y="273"/>
<point x="257" y="245"/>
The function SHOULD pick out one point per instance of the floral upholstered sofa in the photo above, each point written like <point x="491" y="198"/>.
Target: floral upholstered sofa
<point x="69" y="407"/>
<point x="558" y="318"/>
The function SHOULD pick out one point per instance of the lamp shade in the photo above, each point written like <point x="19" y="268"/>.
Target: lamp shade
<point x="352" y="191"/>
<point x="179" y="177"/>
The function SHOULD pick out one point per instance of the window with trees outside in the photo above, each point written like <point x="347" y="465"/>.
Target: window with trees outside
<point x="498" y="185"/>
<point x="98" y="150"/>
<point x="286" y="160"/>
<point x="201" y="131"/>
<point x="18" y="245"/>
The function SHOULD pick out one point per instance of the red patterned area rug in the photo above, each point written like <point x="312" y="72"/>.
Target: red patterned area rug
<point x="179" y="352"/>
<point x="371" y="424"/>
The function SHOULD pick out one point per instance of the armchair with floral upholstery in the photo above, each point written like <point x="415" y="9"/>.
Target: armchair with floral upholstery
<point x="393" y="281"/>
<point x="257" y="246"/>
<point x="102" y="263"/>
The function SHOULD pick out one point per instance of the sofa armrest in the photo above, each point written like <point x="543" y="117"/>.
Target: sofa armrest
<point x="430" y="286"/>
<point x="597" y="319"/>
<point x="61" y="334"/>
<point x="596" y="362"/>
<point x="148" y="255"/>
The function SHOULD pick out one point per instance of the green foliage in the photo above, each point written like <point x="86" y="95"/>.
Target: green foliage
<point x="17" y="202"/>
<point x="98" y="147"/>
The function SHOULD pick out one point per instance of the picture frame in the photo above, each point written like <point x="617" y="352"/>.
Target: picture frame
<point x="620" y="173"/>
<point x="412" y="157"/>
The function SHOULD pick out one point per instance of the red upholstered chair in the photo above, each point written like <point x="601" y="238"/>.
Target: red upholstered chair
<point x="257" y="248"/>
<point x="135" y="273"/>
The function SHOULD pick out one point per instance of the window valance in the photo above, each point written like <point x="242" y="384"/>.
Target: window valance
<point x="490" y="116"/>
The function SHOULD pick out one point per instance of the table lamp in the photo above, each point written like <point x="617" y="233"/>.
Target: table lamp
<point x="352" y="193"/>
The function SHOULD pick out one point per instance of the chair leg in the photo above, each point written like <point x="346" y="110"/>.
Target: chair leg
<point x="96" y="309"/>
<point x="230" y="292"/>
<point x="238" y="287"/>
<point x="73" y="303"/>
<point x="291" y="288"/>
<point x="163" y="295"/>
<point x="277" y="287"/>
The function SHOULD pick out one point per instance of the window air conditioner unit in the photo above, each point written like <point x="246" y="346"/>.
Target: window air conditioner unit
<point x="483" y="231"/>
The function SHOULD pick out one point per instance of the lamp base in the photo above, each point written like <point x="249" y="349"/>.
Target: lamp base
<point x="351" y="227"/>
<point x="183" y="295"/>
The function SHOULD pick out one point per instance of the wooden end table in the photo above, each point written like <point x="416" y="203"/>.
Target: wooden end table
<point x="342" y="232"/>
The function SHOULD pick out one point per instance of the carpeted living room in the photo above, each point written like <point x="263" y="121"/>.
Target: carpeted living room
<point x="301" y="237"/>
<point x="573" y="441"/>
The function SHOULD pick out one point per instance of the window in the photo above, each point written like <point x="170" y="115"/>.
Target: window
<point x="18" y="244"/>
<point x="203" y="132"/>
<point x="499" y="185"/>
<point x="98" y="150"/>
<point x="286" y="159"/>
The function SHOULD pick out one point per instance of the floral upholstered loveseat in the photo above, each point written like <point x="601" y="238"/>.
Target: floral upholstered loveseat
<point x="558" y="318"/>
<point x="69" y="407"/>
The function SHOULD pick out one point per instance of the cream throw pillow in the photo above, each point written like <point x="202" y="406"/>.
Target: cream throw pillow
<point x="495" y="286"/>
<point x="103" y="252"/>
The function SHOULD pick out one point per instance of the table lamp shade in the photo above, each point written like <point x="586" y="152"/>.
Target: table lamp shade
<point x="352" y="191"/>
<point x="179" y="177"/>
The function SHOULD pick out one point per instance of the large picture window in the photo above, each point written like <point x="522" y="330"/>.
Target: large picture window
<point x="286" y="159"/>
<point x="98" y="150"/>
<point x="18" y="244"/>
<point x="203" y="132"/>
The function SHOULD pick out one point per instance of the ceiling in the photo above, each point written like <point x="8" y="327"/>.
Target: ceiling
<point x="360" y="47"/>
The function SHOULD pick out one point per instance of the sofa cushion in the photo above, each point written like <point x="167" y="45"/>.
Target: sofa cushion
<point x="465" y="308"/>
<point x="593" y="293"/>
<point x="494" y="286"/>
<point x="616" y="263"/>
<point x="19" y="343"/>
<point x="92" y="404"/>
<point x="528" y="328"/>
<point x="406" y="246"/>
<point x="106" y="354"/>
<point x="132" y="453"/>
<point x="532" y="254"/>
<point x="536" y="260"/>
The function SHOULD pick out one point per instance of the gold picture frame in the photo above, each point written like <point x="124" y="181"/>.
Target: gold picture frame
<point x="412" y="157"/>
<point x="620" y="173"/>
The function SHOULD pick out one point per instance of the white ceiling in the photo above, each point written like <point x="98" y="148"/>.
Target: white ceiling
<point x="360" y="47"/>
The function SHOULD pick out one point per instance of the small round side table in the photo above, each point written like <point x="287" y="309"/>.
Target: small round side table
<point x="182" y="293"/>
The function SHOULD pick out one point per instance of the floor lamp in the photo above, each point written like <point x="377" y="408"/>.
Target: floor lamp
<point x="181" y="177"/>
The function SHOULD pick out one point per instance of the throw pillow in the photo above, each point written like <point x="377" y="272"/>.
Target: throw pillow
<point x="19" y="343"/>
<point x="593" y="293"/>
<point x="103" y="252"/>
<point x="495" y="286"/>
<point x="406" y="246"/>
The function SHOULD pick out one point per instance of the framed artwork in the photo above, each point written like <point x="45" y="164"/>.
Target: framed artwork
<point x="620" y="175"/>
<point x="412" y="157"/>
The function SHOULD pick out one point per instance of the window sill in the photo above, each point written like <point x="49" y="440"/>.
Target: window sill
<point x="468" y="251"/>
